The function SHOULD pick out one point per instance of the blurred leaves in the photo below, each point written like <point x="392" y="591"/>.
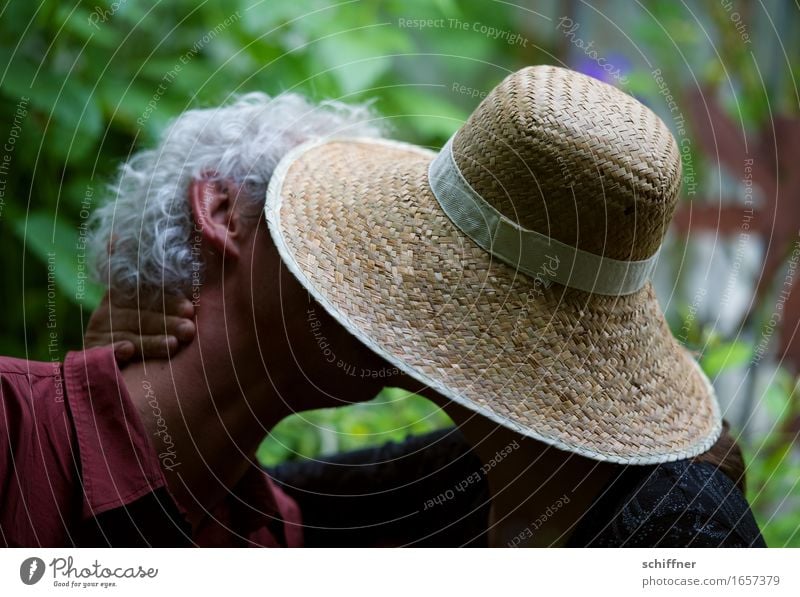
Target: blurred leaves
<point x="391" y="416"/>
<point x="726" y="355"/>
<point x="55" y="243"/>
<point x="90" y="69"/>
<point x="773" y="471"/>
<point x="772" y="457"/>
<point x="98" y="81"/>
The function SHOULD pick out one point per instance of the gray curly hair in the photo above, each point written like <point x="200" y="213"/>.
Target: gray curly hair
<point x="142" y="236"/>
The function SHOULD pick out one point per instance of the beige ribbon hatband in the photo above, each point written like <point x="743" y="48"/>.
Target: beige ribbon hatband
<point x="528" y="251"/>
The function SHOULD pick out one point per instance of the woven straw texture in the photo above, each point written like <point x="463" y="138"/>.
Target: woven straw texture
<point x="575" y="159"/>
<point x="600" y="376"/>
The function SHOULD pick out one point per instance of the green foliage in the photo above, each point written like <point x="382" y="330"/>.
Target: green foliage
<point x="773" y="471"/>
<point x="100" y="79"/>
<point x="391" y="416"/>
<point x="82" y="86"/>
<point x="725" y="355"/>
<point x="772" y="459"/>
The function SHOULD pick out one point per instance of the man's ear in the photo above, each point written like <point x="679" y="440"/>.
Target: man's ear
<point x="215" y="217"/>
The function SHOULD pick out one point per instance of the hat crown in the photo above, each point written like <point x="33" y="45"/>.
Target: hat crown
<point x="575" y="159"/>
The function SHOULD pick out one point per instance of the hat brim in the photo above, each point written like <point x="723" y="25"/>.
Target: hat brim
<point x="601" y="376"/>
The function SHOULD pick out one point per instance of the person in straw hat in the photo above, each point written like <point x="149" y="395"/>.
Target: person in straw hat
<point x="507" y="278"/>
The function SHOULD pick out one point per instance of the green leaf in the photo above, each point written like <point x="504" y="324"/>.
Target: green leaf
<point x="726" y="355"/>
<point x="354" y="62"/>
<point x="777" y="398"/>
<point x="432" y="118"/>
<point x="62" y="249"/>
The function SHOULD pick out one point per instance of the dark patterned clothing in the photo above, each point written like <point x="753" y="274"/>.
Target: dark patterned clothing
<point x="676" y="504"/>
<point x="383" y="496"/>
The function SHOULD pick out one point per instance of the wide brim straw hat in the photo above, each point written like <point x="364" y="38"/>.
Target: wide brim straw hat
<point x="510" y="271"/>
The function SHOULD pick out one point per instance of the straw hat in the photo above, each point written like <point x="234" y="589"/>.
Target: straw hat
<point x="509" y="271"/>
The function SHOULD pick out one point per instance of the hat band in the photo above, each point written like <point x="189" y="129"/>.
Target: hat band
<point x="528" y="251"/>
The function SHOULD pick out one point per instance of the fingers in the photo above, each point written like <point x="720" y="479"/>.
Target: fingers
<point x="185" y="331"/>
<point x="155" y="347"/>
<point x="150" y="323"/>
<point x="99" y="319"/>
<point x="139" y="333"/>
<point x="128" y="346"/>
<point x="113" y="318"/>
<point x="124" y="351"/>
<point x="179" y="306"/>
<point x="150" y="347"/>
<point x="93" y="339"/>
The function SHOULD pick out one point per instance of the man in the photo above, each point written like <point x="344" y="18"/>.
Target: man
<point x="506" y="277"/>
<point x="162" y="453"/>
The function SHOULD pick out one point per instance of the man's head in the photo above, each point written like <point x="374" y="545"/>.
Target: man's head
<point x="187" y="218"/>
<point x="145" y="240"/>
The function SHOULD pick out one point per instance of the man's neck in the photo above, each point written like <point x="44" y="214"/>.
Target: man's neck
<point x="206" y="409"/>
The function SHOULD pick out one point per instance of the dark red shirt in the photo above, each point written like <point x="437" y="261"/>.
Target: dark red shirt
<point x="77" y="468"/>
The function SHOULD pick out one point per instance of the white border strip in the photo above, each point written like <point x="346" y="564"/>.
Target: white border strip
<point x="327" y="571"/>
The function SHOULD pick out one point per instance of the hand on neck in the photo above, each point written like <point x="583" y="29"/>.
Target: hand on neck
<point x="208" y="407"/>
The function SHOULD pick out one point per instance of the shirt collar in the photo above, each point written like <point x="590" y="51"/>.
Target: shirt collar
<point x="118" y="465"/>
